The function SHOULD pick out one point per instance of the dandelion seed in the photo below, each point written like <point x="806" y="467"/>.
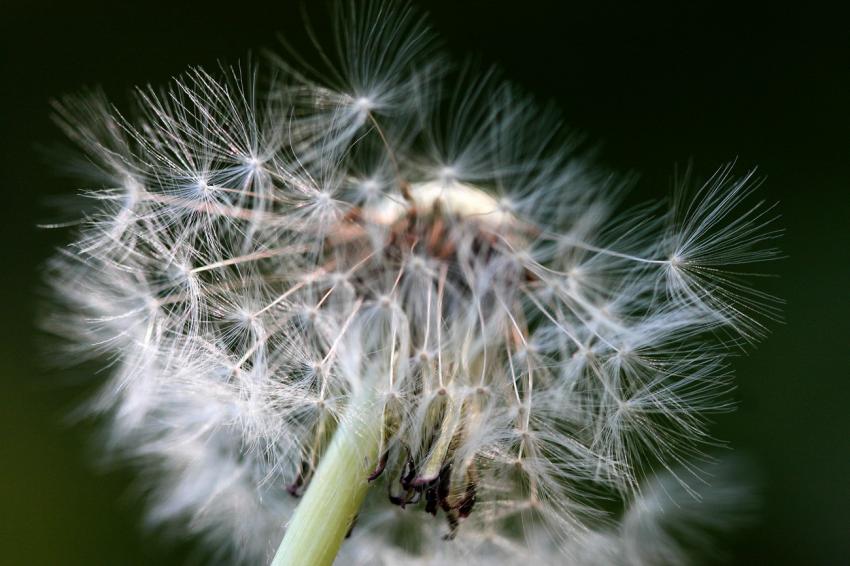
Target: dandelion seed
<point x="376" y="296"/>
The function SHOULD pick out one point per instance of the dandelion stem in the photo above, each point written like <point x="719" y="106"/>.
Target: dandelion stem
<point x="326" y="513"/>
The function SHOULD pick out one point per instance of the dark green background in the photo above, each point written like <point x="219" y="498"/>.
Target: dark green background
<point x="655" y="85"/>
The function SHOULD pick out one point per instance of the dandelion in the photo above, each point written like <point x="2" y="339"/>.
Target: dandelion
<point x="392" y="301"/>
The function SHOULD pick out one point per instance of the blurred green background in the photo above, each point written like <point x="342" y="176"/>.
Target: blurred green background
<point x="656" y="85"/>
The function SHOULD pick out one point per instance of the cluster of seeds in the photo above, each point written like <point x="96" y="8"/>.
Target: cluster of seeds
<point x="262" y="256"/>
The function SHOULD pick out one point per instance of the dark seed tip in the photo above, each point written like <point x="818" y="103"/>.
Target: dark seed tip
<point x="422" y="481"/>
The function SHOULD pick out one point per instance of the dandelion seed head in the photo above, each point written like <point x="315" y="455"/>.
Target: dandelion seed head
<point x="258" y="258"/>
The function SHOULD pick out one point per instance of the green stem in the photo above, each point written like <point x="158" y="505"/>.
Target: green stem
<point x="336" y="491"/>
